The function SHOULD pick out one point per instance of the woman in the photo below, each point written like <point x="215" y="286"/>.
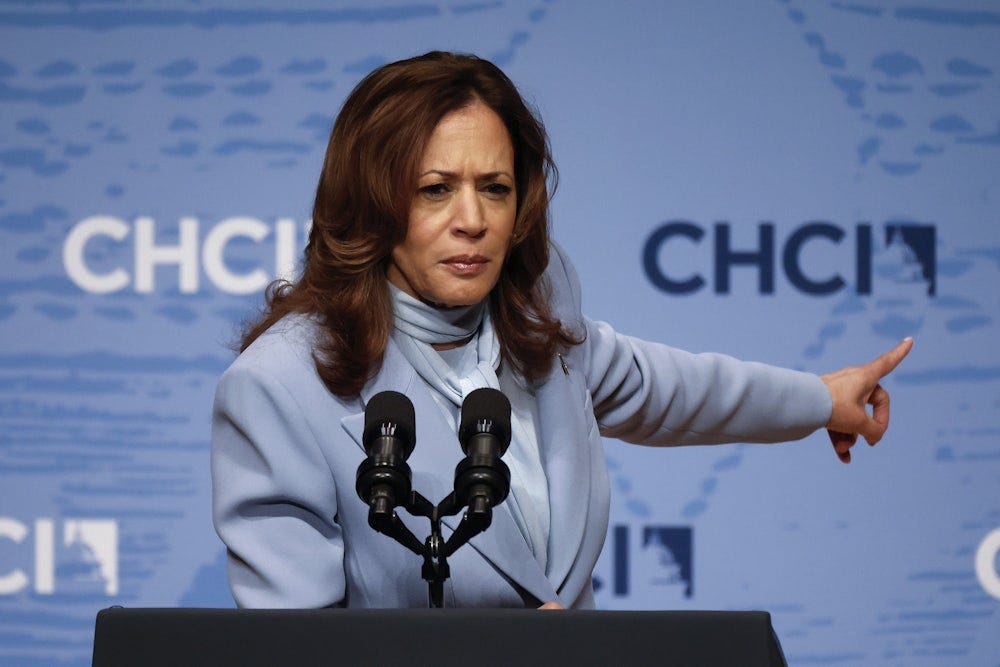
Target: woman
<point x="429" y="272"/>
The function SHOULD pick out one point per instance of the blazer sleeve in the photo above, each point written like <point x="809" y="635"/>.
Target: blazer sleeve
<point x="273" y="498"/>
<point x="653" y="394"/>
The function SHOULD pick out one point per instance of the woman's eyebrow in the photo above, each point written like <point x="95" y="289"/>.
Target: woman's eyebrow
<point x="494" y="174"/>
<point x="451" y="174"/>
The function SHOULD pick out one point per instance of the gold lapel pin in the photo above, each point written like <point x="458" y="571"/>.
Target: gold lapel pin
<point x="562" y="362"/>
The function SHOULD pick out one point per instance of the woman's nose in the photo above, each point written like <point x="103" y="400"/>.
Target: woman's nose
<point x="469" y="218"/>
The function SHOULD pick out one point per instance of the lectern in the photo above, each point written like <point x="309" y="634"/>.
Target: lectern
<point x="459" y="637"/>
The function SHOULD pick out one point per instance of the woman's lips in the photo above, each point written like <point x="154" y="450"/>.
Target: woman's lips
<point x="466" y="265"/>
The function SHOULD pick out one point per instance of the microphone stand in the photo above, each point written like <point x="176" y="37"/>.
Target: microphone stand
<point x="434" y="550"/>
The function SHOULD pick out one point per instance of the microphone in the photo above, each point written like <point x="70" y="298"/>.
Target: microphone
<point x="384" y="478"/>
<point x="482" y="480"/>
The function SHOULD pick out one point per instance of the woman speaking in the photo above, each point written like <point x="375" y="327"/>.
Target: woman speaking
<point x="429" y="271"/>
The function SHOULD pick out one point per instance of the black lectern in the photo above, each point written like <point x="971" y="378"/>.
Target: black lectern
<point x="460" y="637"/>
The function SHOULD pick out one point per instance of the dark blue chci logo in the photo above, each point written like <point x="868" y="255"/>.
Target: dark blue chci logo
<point x="915" y="246"/>
<point x="662" y="561"/>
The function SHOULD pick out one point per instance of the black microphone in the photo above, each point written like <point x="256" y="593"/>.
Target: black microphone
<point x="482" y="480"/>
<point x="384" y="478"/>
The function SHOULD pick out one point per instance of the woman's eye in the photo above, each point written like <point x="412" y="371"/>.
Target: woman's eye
<point x="434" y="190"/>
<point x="498" y="189"/>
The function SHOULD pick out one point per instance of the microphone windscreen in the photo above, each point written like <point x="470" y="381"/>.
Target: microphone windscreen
<point x="486" y="410"/>
<point x="390" y="413"/>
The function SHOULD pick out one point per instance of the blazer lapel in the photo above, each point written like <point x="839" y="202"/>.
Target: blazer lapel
<point x="433" y="462"/>
<point x="566" y="458"/>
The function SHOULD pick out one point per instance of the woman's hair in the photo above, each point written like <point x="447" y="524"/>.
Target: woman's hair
<point x="362" y="206"/>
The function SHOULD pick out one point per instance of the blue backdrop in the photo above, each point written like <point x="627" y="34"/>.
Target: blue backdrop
<point x="802" y="183"/>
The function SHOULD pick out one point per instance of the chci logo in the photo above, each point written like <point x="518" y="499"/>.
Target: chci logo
<point x="659" y="561"/>
<point x="83" y="562"/>
<point x="676" y="257"/>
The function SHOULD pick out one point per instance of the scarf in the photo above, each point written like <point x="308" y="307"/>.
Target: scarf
<point x="417" y="327"/>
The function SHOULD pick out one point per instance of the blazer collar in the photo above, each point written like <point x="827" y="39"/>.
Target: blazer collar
<point x="433" y="462"/>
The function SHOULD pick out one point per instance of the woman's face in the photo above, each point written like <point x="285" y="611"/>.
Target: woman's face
<point x="462" y="211"/>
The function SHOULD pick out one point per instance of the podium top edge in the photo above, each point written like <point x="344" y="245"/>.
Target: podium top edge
<point x="463" y="611"/>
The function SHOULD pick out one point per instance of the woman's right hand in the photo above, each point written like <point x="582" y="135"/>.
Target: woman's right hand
<point x="552" y="605"/>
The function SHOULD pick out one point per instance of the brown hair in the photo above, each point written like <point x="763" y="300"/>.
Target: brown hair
<point x="361" y="211"/>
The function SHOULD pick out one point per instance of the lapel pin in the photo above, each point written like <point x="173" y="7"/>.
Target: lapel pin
<point x="562" y="362"/>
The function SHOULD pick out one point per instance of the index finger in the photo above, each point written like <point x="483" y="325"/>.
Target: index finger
<point x="888" y="361"/>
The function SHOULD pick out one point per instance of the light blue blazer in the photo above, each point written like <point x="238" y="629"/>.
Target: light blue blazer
<point x="285" y="452"/>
